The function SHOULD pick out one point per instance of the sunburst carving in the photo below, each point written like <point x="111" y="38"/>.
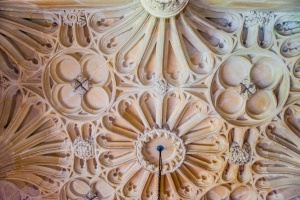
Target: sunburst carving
<point x="35" y="152"/>
<point x="160" y="120"/>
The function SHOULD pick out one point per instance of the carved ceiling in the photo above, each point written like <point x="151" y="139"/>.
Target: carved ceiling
<point x="88" y="94"/>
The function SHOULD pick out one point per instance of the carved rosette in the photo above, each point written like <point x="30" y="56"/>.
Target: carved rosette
<point x="84" y="148"/>
<point x="238" y="102"/>
<point x="242" y="144"/>
<point x="164" y="8"/>
<point x="173" y="154"/>
<point x="79" y="84"/>
<point x="178" y="121"/>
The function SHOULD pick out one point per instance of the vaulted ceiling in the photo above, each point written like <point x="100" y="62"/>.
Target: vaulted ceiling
<point x="89" y="90"/>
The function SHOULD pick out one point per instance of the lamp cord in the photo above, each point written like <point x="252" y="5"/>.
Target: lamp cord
<point x="159" y="148"/>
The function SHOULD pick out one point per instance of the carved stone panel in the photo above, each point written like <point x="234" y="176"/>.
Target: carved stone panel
<point x="88" y="94"/>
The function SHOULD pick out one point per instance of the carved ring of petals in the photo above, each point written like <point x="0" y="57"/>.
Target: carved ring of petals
<point x="164" y="8"/>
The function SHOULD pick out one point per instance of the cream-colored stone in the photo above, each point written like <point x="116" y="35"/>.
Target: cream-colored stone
<point x="88" y="93"/>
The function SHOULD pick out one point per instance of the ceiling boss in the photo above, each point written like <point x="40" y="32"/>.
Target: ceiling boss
<point x="164" y="8"/>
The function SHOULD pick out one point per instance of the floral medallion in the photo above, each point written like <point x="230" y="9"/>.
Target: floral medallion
<point x="250" y="89"/>
<point x="164" y="8"/>
<point x="191" y="138"/>
<point x="79" y="84"/>
<point x="173" y="153"/>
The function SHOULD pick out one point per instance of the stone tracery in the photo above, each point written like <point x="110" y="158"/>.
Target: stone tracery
<point x="114" y="81"/>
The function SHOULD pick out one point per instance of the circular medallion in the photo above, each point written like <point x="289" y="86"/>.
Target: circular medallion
<point x="164" y="8"/>
<point x="172" y="155"/>
<point x="249" y="89"/>
<point x="79" y="84"/>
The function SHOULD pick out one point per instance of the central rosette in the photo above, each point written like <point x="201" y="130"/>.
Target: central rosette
<point x="172" y="155"/>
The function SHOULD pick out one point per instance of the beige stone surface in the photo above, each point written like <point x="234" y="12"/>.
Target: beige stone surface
<point x="52" y="4"/>
<point x="278" y="5"/>
<point x="87" y="95"/>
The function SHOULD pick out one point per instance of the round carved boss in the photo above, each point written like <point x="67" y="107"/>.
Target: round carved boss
<point x="173" y="154"/>
<point x="164" y="8"/>
<point x="249" y="89"/>
<point x="79" y="84"/>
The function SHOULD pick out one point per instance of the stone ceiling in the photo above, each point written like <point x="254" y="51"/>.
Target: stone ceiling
<point x="88" y="94"/>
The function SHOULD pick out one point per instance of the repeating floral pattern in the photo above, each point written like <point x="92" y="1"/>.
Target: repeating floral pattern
<point x="87" y="94"/>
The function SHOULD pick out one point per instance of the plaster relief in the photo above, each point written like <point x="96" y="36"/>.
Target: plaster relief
<point x="82" y="188"/>
<point x="35" y="153"/>
<point x="79" y="84"/>
<point x="148" y="124"/>
<point x="84" y="148"/>
<point x="254" y="102"/>
<point x="88" y="94"/>
<point x="258" y="28"/>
